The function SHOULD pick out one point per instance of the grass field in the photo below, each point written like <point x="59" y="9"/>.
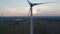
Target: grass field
<point x="39" y="28"/>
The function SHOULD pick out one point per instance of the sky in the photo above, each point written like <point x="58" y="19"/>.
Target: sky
<point x="21" y="8"/>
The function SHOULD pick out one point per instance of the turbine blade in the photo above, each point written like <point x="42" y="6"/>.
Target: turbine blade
<point x="29" y="13"/>
<point x="28" y="1"/>
<point x="44" y="3"/>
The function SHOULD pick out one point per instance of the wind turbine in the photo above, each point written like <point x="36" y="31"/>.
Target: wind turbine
<point x="1" y="19"/>
<point x="31" y="13"/>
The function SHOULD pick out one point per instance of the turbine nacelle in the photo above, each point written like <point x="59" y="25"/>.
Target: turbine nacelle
<point x="32" y="4"/>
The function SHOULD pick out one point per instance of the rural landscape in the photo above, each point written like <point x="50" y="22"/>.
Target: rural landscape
<point x="29" y="16"/>
<point x="41" y="25"/>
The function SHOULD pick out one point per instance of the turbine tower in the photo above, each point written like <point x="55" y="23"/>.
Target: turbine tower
<point x="31" y="13"/>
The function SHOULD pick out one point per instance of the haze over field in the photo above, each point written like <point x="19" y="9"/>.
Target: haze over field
<point x="21" y="8"/>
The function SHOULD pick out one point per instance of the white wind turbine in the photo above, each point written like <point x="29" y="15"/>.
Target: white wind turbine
<point x="31" y="14"/>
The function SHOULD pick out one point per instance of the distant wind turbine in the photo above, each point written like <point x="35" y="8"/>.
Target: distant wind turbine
<point x="1" y="19"/>
<point x="31" y="14"/>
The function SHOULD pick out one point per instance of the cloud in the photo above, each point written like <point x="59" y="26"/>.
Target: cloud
<point x="37" y="11"/>
<point x="48" y="10"/>
<point x="14" y="12"/>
